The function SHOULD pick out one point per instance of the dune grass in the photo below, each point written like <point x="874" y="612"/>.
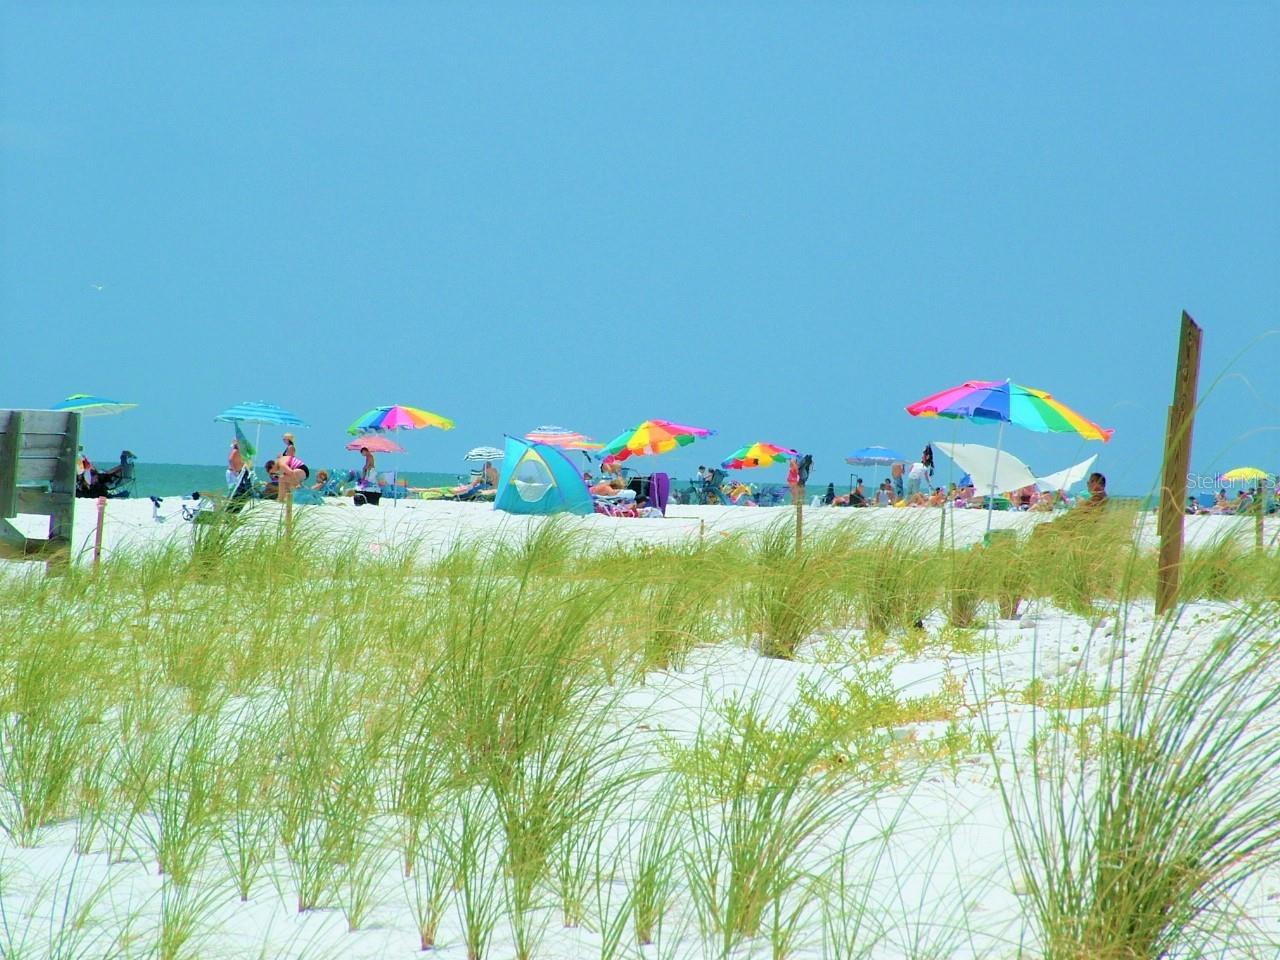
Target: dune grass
<point x="456" y="740"/>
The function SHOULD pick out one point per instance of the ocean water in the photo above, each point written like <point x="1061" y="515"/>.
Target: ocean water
<point x="183" y="479"/>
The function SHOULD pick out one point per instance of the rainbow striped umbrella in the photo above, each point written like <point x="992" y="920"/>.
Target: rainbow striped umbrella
<point x="652" y="437"/>
<point x="397" y="417"/>
<point x="758" y="454"/>
<point x="1003" y="401"/>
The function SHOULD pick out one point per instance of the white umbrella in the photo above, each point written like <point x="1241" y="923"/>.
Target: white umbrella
<point x="993" y="471"/>
<point x="484" y="453"/>
<point x="1068" y="478"/>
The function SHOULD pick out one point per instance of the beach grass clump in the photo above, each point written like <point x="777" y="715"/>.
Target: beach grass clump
<point x="46" y="725"/>
<point x="1084" y="558"/>
<point x="656" y="839"/>
<point x="1140" y="849"/>
<point x="756" y="809"/>
<point x="788" y="596"/>
<point x="896" y="582"/>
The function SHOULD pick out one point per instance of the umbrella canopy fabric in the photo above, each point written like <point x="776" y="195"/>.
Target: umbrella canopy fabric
<point x="758" y="454"/>
<point x="1244" y="473"/>
<point x="375" y="444"/>
<point x="1003" y="401"/>
<point x="484" y="453"/>
<point x="874" y="457"/>
<point x="993" y="471"/>
<point x="397" y="417"/>
<point x="87" y="405"/>
<point x="255" y="411"/>
<point x="652" y="437"/>
<point x="563" y="438"/>
<point x="1068" y="478"/>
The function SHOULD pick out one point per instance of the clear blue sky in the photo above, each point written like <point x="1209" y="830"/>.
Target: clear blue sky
<point x="782" y="221"/>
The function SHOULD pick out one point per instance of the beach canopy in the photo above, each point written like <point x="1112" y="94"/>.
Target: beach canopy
<point x="255" y="411"/>
<point x="1244" y="473"/>
<point x="993" y="471"/>
<point x="397" y="417"/>
<point x="87" y="405"/>
<point x="1003" y="401"/>
<point x="874" y="457"/>
<point x="1068" y="478"/>
<point x="652" y="437"/>
<point x="759" y="454"/>
<point x="563" y="438"/>
<point x="375" y="444"/>
<point x="484" y="454"/>
<point x="539" y="479"/>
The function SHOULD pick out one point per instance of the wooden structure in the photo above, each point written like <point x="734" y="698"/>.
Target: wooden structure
<point x="38" y="454"/>
<point x="1177" y="461"/>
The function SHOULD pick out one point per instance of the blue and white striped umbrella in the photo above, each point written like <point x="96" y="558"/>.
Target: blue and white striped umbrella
<point x="255" y="411"/>
<point x="485" y="454"/>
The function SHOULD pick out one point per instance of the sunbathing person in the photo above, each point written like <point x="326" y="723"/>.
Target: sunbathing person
<point x="286" y="478"/>
<point x="607" y="488"/>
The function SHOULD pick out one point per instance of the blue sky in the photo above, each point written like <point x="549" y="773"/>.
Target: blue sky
<point x="782" y="221"/>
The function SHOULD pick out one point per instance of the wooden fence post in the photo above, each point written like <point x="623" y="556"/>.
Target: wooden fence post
<point x="97" y="534"/>
<point x="799" y="526"/>
<point x="1177" y="461"/>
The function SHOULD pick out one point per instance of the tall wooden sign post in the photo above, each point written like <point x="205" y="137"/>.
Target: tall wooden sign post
<point x="1177" y="461"/>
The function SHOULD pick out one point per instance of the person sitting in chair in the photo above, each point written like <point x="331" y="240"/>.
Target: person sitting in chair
<point x="490" y="474"/>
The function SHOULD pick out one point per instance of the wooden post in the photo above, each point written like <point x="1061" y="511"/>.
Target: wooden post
<point x="288" y="511"/>
<point x="702" y="533"/>
<point x="799" y="526"/>
<point x="1177" y="461"/>
<point x="97" y="534"/>
<point x="1259" y="513"/>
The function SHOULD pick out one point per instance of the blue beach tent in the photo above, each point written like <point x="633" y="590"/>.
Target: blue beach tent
<point x="539" y="479"/>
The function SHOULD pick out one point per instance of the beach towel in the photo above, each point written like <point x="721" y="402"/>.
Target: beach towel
<point x="660" y="491"/>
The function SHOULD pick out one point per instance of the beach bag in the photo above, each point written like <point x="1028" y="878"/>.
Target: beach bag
<point x="806" y="464"/>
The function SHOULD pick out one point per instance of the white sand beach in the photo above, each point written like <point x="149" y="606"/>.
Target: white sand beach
<point x="928" y="853"/>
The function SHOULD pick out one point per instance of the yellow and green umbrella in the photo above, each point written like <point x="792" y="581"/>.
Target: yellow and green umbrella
<point x="651" y="437"/>
<point x="759" y="454"/>
<point x="1244" y="474"/>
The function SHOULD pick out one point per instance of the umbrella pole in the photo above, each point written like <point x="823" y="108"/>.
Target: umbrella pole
<point x="991" y="497"/>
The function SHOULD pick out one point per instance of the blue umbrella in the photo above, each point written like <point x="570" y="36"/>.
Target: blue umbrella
<point x="255" y="411"/>
<point x="874" y="457"/>
<point x="88" y="405"/>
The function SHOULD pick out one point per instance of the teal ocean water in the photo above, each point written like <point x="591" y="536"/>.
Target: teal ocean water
<point x="182" y="479"/>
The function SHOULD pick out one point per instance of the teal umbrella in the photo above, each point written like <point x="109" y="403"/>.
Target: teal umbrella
<point x="87" y="405"/>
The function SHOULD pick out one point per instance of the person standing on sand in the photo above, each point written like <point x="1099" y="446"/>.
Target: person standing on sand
<point x="895" y="475"/>
<point x="289" y="458"/>
<point x="793" y="480"/>
<point x="368" y="471"/>
<point x="235" y="464"/>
